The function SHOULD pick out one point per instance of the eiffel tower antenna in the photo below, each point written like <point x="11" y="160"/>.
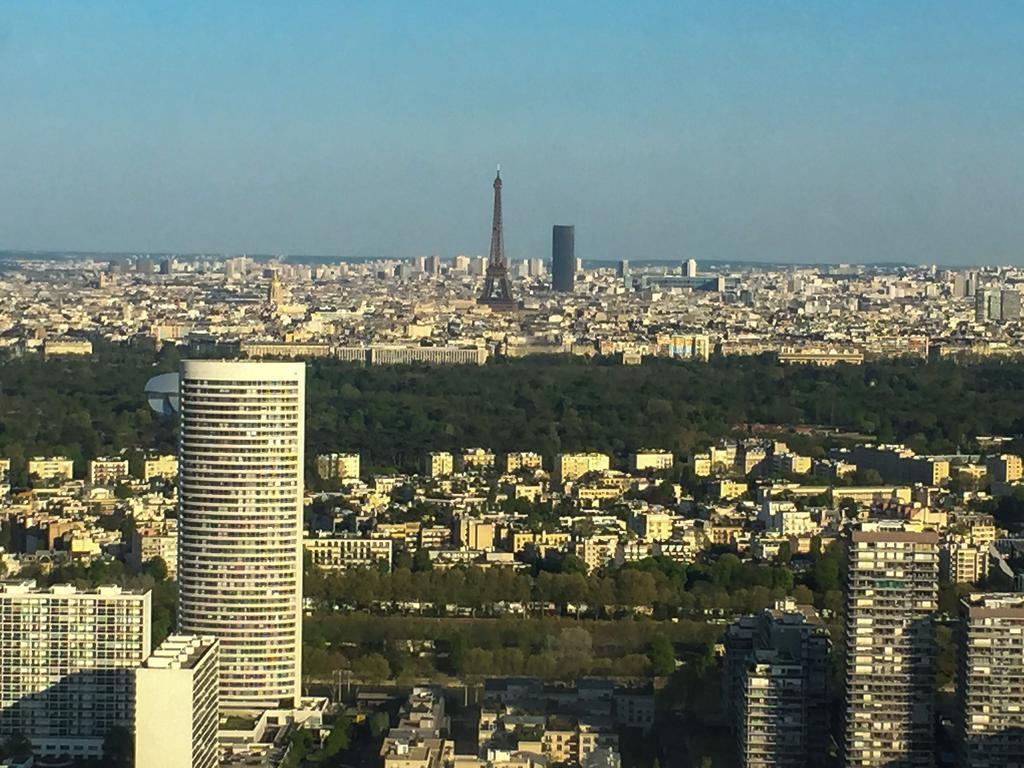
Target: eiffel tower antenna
<point x="497" y="292"/>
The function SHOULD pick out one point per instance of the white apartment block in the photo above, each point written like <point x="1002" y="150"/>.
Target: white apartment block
<point x="177" y="704"/>
<point x="342" y="551"/>
<point x="240" y="523"/>
<point x="107" y="471"/>
<point x="51" y="467"/>
<point x="67" y="661"/>
<point x="337" y="466"/>
<point x="165" y="466"/>
<point x="569" y="466"/>
<point x="645" y="460"/>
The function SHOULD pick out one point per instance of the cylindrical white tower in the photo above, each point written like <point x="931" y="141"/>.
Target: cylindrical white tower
<point x="240" y="523"/>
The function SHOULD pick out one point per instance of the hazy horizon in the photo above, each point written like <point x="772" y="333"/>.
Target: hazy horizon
<point x="778" y="132"/>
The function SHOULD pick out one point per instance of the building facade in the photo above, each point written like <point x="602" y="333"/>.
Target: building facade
<point x="990" y="696"/>
<point x="563" y="258"/>
<point x="240" y="523"/>
<point x="891" y="594"/>
<point x="177" y="704"/>
<point x="67" y="660"/>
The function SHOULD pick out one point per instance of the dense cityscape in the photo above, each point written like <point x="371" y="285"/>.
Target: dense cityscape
<point x="717" y="461"/>
<point x="779" y="593"/>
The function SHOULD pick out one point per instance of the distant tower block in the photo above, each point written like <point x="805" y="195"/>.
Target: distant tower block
<point x="690" y="268"/>
<point x="563" y="258"/>
<point x="497" y="292"/>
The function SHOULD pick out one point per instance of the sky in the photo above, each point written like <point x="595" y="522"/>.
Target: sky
<point x="849" y="131"/>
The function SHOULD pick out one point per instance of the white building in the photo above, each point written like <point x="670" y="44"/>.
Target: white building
<point x="440" y="464"/>
<point x="66" y="664"/>
<point x="240" y="523"/>
<point x="177" y="704"/>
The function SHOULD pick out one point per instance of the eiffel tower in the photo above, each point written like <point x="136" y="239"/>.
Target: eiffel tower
<point x="497" y="293"/>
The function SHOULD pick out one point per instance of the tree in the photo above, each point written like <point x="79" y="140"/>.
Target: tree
<point x="662" y="656"/>
<point x="372" y="667"/>
<point x="156" y="568"/>
<point x="19" y="746"/>
<point x="379" y="724"/>
<point x="421" y="561"/>
<point x="338" y="739"/>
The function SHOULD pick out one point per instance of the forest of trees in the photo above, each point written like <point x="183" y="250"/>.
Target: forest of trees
<point x="83" y="407"/>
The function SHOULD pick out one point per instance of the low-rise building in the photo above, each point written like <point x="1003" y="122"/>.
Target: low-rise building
<point x="344" y="551"/>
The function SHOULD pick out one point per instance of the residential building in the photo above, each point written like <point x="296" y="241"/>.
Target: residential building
<point x="647" y="460"/>
<point x="164" y="467"/>
<point x="51" y="467"/>
<point x="990" y="699"/>
<point x="177" y="704"/>
<point x="569" y="466"/>
<point x="344" y="551"/>
<point x="108" y="471"/>
<point x="158" y="539"/>
<point x="1005" y="468"/>
<point x="476" y="459"/>
<point x="522" y="460"/>
<point x="67" y="660"/>
<point x="337" y="466"/>
<point x="891" y="594"/>
<point x="240" y="523"/>
<point x="440" y="464"/>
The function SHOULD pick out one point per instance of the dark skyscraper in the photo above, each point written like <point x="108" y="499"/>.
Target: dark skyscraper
<point x="497" y="293"/>
<point x="563" y="258"/>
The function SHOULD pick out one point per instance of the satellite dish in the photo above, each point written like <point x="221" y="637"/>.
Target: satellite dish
<point x="162" y="392"/>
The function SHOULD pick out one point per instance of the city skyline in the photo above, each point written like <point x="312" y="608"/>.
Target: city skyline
<point x="783" y="133"/>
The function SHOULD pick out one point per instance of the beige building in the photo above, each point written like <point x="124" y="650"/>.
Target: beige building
<point x="440" y="464"/>
<point x="522" y="460"/>
<point x="476" y="459"/>
<point x="343" y="551"/>
<point x="1005" y="468"/>
<point x="164" y="467"/>
<point x="177" y="704"/>
<point x="569" y="466"/>
<point x="59" y="346"/>
<point x="337" y="466"/>
<point x="157" y="540"/>
<point x="107" y="471"/>
<point x="646" y="460"/>
<point x="51" y="467"/>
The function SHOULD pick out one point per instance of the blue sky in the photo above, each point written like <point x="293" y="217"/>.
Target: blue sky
<point x="803" y="131"/>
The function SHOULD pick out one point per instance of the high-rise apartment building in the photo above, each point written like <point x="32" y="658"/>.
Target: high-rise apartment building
<point x="690" y="268"/>
<point x="240" y="523"/>
<point x="67" y="661"/>
<point x="891" y="594"/>
<point x="563" y="258"/>
<point x="177" y="704"/>
<point x="108" y="470"/>
<point x="990" y="693"/>
<point x="775" y="686"/>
